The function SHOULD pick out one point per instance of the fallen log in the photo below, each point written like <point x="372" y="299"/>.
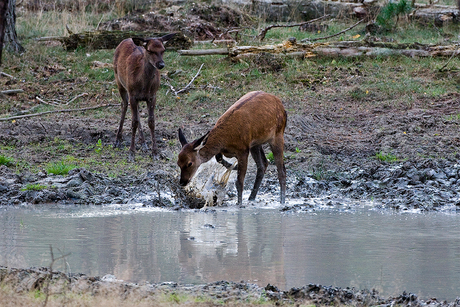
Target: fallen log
<point x="334" y="49"/>
<point x="221" y="51"/>
<point x="102" y="39"/>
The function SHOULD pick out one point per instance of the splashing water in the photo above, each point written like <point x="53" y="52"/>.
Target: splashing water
<point x="212" y="181"/>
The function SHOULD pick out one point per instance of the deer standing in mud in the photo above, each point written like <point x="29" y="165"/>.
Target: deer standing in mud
<point x="137" y="74"/>
<point x="255" y="119"/>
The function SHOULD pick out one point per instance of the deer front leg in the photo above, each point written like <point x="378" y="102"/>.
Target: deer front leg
<point x="242" y="167"/>
<point x="151" y="109"/>
<point x="144" y="145"/>
<point x="220" y="159"/>
<point x="134" y="125"/>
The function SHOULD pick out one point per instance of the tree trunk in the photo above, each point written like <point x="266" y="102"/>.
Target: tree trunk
<point x="11" y="39"/>
<point x="3" y="8"/>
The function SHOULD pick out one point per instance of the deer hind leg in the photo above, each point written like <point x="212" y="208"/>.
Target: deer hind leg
<point x="277" y="148"/>
<point x="258" y="155"/>
<point x="124" y="108"/>
<point x="242" y="167"/>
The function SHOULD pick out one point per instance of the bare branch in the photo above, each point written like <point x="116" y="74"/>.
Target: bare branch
<point x="454" y="53"/>
<point x="53" y="101"/>
<point x="9" y="92"/>
<point x="50" y="273"/>
<point x="6" y="75"/>
<point x="45" y="102"/>
<point x="76" y="97"/>
<point x="191" y="81"/>
<point x="262" y="33"/>
<point x="99" y="23"/>
<point x="333" y="35"/>
<point x="57" y="111"/>
<point x="187" y="86"/>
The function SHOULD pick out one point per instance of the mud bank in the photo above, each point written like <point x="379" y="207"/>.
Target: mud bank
<point x="426" y="185"/>
<point x="23" y="281"/>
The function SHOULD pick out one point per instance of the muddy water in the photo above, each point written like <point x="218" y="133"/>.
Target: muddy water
<point x="390" y="252"/>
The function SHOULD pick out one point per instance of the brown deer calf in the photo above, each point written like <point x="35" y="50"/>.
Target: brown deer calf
<point x="138" y="79"/>
<point x="255" y="119"/>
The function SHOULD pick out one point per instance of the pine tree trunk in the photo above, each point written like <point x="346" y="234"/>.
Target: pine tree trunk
<point x="11" y="39"/>
<point x="3" y="8"/>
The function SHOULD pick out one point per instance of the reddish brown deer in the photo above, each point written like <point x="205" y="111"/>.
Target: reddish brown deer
<point x="138" y="79"/>
<point x="255" y="119"/>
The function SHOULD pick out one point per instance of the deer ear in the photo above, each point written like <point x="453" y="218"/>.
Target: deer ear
<point x="182" y="138"/>
<point x="167" y="37"/>
<point x="139" y="41"/>
<point x="198" y="144"/>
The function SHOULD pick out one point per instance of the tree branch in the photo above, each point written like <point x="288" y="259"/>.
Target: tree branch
<point x="56" y="111"/>
<point x="262" y="33"/>
<point x="333" y="35"/>
<point x="454" y="53"/>
<point x="187" y="86"/>
<point x="14" y="91"/>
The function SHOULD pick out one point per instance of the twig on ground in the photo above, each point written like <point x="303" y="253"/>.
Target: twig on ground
<point x="50" y="273"/>
<point x="99" y="23"/>
<point x="45" y="102"/>
<point x="262" y="33"/>
<point x="10" y="92"/>
<point x="454" y="53"/>
<point x="333" y="35"/>
<point x="57" y="111"/>
<point x="187" y="86"/>
<point x="60" y="102"/>
<point x="6" y="75"/>
<point x="76" y="97"/>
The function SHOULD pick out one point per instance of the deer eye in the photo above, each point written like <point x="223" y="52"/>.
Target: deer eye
<point x="189" y="164"/>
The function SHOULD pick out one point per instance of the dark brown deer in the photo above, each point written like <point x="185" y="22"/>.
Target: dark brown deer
<point x="255" y="119"/>
<point x="138" y="79"/>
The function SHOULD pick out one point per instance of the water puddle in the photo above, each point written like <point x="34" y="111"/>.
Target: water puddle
<point x="391" y="252"/>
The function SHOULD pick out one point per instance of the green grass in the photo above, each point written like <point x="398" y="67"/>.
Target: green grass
<point x="4" y="160"/>
<point x="60" y="168"/>
<point x="386" y="157"/>
<point x="34" y="187"/>
<point x="270" y="157"/>
<point x="453" y="117"/>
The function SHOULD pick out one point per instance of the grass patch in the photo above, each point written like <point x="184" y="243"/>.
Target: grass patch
<point x="60" y="168"/>
<point x="270" y="157"/>
<point x="7" y="161"/>
<point x="453" y="117"/>
<point x="34" y="187"/>
<point x="386" y="157"/>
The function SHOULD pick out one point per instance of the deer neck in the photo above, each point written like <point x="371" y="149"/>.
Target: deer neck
<point x="209" y="150"/>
